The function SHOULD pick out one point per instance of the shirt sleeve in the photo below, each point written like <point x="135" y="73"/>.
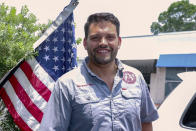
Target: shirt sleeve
<point x="58" y="111"/>
<point x="148" y="109"/>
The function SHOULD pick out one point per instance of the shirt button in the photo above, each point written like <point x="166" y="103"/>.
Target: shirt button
<point x="114" y="118"/>
<point x="88" y="98"/>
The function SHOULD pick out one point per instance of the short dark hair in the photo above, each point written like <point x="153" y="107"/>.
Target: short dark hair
<point x="99" y="17"/>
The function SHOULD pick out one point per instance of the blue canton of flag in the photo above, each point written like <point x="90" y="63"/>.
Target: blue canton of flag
<point x="57" y="54"/>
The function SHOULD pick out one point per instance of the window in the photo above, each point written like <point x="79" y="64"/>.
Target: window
<point x="170" y="86"/>
<point x="172" y="80"/>
<point x="188" y="119"/>
<point x="171" y="73"/>
<point x="191" y="69"/>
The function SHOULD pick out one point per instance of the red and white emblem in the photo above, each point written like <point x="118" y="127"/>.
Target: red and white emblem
<point x="129" y="77"/>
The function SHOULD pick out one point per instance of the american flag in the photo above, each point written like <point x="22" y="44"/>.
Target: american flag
<point x="27" y="90"/>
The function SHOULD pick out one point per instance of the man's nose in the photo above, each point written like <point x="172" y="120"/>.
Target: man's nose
<point x="103" y="41"/>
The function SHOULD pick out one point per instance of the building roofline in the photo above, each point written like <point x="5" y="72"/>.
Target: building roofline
<point x="161" y="34"/>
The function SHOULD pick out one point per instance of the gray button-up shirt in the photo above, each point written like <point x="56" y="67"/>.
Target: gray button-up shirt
<point x="81" y="101"/>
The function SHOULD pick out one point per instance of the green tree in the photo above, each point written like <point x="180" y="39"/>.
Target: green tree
<point x="180" y="16"/>
<point x="18" y="32"/>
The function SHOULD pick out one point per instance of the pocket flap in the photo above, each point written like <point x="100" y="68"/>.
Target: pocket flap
<point x="86" y="98"/>
<point x="131" y="93"/>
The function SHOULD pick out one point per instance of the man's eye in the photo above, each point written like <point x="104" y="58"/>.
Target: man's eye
<point x="110" y="37"/>
<point x="94" y="38"/>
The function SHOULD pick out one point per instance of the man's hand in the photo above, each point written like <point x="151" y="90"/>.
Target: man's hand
<point x="147" y="126"/>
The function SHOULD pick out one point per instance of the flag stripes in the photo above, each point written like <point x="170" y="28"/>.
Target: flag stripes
<point x="24" y="98"/>
<point x="32" y="93"/>
<point x="25" y="115"/>
<point x="36" y="83"/>
<point x="16" y="117"/>
<point x="24" y="103"/>
<point x="40" y="73"/>
<point x="18" y="106"/>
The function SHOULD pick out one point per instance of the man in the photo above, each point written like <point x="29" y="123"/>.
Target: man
<point x="102" y="94"/>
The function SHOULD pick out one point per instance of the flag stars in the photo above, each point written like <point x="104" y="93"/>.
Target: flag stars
<point x="63" y="68"/>
<point x="75" y="66"/>
<point x="72" y="55"/>
<point x="70" y="32"/>
<point x="55" y="49"/>
<point x="59" y="49"/>
<point x="56" y="68"/>
<point x="63" y="40"/>
<point x="69" y="69"/>
<point x="72" y="23"/>
<point x="46" y="57"/>
<point x="63" y="50"/>
<point x="55" y="39"/>
<point x="69" y="60"/>
<point x="74" y="46"/>
<point x="63" y="59"/>
<point x="69" y="41"/>
<point x="69" y="51"/>
<point x="46" y="48"/>
<point x="55" y="58"/>
<point x="69" y="22"/>
<point x="63" y="30"/>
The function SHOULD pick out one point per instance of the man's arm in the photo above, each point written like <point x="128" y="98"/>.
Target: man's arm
<point x="58" y="112"/>
<point x="147" y="126"/>
<point x="148" y="109"/>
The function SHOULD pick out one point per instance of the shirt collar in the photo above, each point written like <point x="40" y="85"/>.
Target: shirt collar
<point x="118" y="63"/>
<point x="86" y="66"/>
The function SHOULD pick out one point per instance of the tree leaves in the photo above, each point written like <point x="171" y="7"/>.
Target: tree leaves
<point x="18" y="32"/>
<point x="180" y="16"/>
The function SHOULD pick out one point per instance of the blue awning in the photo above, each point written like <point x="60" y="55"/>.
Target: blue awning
<point x="177" y="60"/>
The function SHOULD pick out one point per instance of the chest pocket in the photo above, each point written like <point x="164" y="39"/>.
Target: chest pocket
<point x="131" y="93"/>
<point x="83" y="105"/>
<point x="131" y="100"/>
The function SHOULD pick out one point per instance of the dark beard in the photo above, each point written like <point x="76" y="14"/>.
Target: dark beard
<point x="101" y="61"/>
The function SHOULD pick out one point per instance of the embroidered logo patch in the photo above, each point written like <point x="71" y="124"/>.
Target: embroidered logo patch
<point x="129" y="77"/>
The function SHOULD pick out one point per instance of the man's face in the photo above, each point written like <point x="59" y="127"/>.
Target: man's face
<point x="102" y="43"/>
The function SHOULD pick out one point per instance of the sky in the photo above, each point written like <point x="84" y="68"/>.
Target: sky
<point x="136" y="16"/>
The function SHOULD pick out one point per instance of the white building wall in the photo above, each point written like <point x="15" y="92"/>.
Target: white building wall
<point x="157" y="85"/>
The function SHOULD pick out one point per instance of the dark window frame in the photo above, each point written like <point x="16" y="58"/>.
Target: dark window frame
<point x="193" y="99"/>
